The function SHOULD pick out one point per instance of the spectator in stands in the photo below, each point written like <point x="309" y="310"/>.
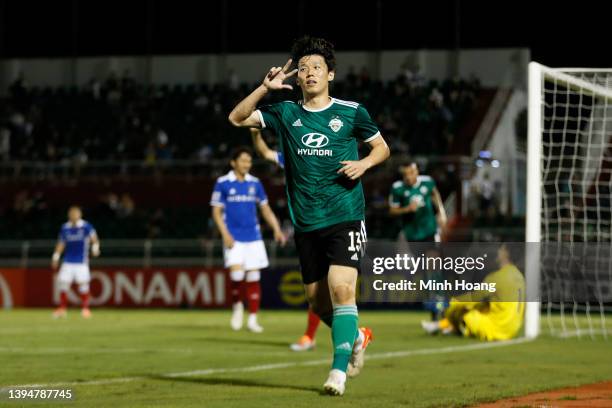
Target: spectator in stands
<point x="110" y="204"/>
<point x="163" y="151"/>
<point x="126" y="206"/>
<point x="155" y="224"/>
<point x="204" y="154"/>
<point x="22" y="204"/>
<point x="39" y="203"/>
<point x="117" y="119"/>
<point x="52" y="124"/>
<point x="150" y="154"/>
<point x="26" y="205"/>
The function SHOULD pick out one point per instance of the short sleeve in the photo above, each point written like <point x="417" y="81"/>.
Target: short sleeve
<point x="364" y="127"/>
<point x="395" y="198"/>
<point x="219" y="196"/>
<point x="91" y="231"/>
<point x="262" y="198"/>
<point x="270" y="116"/>
<point x="61" y="237"/>
<point x="432" y="184"/>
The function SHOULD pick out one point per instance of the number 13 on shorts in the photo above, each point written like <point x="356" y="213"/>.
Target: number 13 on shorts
<point x="355" y="240"/>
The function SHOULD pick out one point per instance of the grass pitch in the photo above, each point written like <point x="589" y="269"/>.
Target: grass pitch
<point x="154" y="358"/>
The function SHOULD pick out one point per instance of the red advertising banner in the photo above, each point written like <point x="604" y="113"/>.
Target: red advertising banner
<point x="127" y="287"/>
<point x="12" y="286"/>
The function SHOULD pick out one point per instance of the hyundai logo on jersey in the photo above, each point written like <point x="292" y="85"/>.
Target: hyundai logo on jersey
<point x="315" y="140"/>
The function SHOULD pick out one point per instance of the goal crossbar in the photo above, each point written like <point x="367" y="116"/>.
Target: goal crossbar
<point x="572" y="82"/>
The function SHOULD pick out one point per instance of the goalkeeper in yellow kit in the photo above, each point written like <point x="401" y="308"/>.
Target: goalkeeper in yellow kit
<point x="484" y="315"/>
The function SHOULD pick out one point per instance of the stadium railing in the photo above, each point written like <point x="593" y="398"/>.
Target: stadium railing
<point x="143" y="253"/>
<point x="147" y="253"/>
<point x="19" y="169"/>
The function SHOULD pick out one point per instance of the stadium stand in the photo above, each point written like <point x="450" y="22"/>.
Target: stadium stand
<point x="119" y="120"/>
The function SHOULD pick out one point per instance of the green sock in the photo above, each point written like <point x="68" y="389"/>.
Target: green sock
<point x="344" y="329"/>
<point x="327" y="319"/>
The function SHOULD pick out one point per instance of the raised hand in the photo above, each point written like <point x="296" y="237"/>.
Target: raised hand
<point x="353" y="169"/>
<point x="275" y="77"/>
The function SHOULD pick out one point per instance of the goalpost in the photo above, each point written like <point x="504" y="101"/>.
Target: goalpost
<point x="569" y="194"/>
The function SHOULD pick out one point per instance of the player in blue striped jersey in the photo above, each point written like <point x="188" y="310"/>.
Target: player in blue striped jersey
<point x="234" y="201"/>
<point x="75" y="240"/>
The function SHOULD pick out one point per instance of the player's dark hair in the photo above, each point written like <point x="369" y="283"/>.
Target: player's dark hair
<point x="308" y="45"/>
<point x="408" y="163"/>
<point x="238" y="151"/>
<point x="516" y="251"/>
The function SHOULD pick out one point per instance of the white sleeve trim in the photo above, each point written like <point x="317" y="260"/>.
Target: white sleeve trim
<point x="262" y="202"/>
<point x="374" y="136"/>
<point x="261" y="119"/>
<point x="217" y="204"/>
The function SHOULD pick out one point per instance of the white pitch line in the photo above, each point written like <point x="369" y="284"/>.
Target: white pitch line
<point x="275" y="366"/>
<point x="76" y="350"/>
<point x="125" y="350"/>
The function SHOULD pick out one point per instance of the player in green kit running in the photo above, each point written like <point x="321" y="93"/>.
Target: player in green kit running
<point x="318" y="137"/>
<point x="416" y="199"/>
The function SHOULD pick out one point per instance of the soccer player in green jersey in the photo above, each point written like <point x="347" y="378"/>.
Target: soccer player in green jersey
<point x="318" y="137"/>
<point x="416" y="199"/>
<point x="307" y="341"/>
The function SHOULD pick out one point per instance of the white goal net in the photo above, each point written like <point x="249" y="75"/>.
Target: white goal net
<point x="569" y="209"/>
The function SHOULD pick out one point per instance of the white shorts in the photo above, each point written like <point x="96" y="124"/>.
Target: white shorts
<point x="70" y="272"/>
<point x="251" y="255"/>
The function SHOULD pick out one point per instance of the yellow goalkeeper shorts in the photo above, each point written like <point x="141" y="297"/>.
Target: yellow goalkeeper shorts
<point x="483" y="326"/>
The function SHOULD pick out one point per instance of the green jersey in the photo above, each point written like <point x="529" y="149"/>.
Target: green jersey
<point x="314" y="142"/>
<point x="422" y="223"/>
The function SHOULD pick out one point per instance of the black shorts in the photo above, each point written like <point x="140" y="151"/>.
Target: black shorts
<point x="339" y="244"/>
<point x="425" y="245"/>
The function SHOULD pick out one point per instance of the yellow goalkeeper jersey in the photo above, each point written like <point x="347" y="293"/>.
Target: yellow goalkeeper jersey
<point x="507" y="304"/>
<point x="501" y="317"/>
